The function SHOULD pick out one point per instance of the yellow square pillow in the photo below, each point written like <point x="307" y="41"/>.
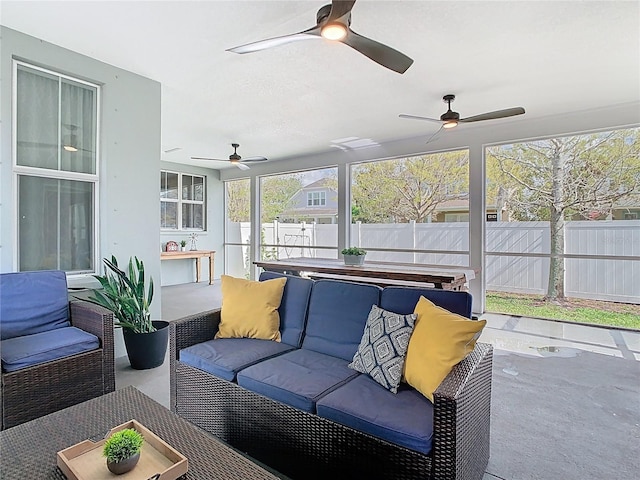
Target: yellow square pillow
<point x="440" y="340"/>
<point x="250" y="308"/>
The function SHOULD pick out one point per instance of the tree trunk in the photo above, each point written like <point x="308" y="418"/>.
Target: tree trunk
<point x="555" y="290"/>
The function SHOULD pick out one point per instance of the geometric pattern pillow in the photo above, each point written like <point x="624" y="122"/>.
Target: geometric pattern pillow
<point x="383" y="347"/>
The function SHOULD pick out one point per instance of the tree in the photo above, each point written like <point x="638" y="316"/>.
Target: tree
<point x="277" y="194"/>
<point x="561" y="178"/>
<point x="238" y="200"/>
<point x="411" y="188"/>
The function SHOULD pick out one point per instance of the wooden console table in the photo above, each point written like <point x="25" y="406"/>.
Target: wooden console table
<point x="197" y="254"/>
<point x="446" y="279"/>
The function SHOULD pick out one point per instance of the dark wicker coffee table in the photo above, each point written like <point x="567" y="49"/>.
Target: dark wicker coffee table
<point x="28" y="451"/>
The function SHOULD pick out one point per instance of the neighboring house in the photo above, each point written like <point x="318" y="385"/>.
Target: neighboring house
<point x="316" y="202"/>
<point x="458" y="211"/>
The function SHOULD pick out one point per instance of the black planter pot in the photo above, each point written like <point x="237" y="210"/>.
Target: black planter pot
<point x="147" y="350"/>
<point x="124" y="466"/>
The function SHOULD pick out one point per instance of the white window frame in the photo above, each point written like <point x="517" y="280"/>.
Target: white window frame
<point x="179" y="202"/>
<point x="19" y="170"/>
<point x="320" y="195"/>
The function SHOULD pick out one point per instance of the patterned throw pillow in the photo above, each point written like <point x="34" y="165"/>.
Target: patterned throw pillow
<point x="383" y="347"/>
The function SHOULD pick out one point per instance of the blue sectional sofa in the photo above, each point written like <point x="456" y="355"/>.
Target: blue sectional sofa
<point x="296" y="406"/>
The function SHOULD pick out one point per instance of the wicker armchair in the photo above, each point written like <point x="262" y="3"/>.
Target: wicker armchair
<point x="297" y="443"/>
<point x="42" y="389"/>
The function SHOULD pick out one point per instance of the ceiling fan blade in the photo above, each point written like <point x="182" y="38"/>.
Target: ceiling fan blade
<point x="509" y="112"/>
<point x="340" y="8"/>
<point x="213" y="159"/>
<point x="241" y="165"/>
<point x="253" y="159"/>
<point x="415" y="117"/>
<point x="276" y="41"/>
<point x="378" y="52"/>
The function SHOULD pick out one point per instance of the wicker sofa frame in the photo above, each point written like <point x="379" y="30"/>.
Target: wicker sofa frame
<point x="35" y="391"/>
<point x="297" y="443"/>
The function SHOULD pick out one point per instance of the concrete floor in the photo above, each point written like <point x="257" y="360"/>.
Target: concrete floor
<point x="565" y="397"/>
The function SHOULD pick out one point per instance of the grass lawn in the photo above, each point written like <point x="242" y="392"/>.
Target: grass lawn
<point x="572" y="309"/>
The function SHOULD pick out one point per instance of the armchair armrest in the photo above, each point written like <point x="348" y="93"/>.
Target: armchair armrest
<point x="462" y="414"/>
<point x="185" y="332"/>
<point x="99" y="321"/>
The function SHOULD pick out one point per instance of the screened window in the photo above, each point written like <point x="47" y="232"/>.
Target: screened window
<point x="182" y="201"/>
<point x="237" y="233"/>
<point x="299" y="214"/>
<point x="413" y="209"/>
<point x="56" y="170"/>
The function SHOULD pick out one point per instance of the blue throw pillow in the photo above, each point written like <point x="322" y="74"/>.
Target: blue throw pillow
<point x="383" y="347"/>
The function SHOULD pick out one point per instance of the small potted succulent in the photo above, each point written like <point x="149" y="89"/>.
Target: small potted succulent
<point x="354" y="256"/>
<point x="183" y="245"/>
<point x="122" y="450"/>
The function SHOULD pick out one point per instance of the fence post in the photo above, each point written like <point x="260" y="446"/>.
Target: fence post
<point x="413" y="239"/>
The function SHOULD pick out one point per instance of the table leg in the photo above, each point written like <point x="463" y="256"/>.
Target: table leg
<point x="198" y="270"/>
<point x="211" y="257"/>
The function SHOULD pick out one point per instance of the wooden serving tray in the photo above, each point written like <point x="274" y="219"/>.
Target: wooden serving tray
<point x="158" y="460"/>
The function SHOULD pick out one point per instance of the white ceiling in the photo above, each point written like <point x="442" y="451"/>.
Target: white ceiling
<point x="550" y="57"/>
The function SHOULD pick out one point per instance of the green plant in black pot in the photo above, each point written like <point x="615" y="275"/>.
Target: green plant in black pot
<point x="122" y="450"/>
<point x="125" y="294"/>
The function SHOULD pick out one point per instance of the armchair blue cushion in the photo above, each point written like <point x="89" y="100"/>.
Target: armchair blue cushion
<point x="33" y="302"/>
<point x="29" y="350"/>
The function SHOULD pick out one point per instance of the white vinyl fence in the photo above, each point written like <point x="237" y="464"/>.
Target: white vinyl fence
<point x="508" y="268"/>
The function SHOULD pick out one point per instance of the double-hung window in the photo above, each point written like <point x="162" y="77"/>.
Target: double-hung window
<point x="55" y="170"/>
<point x="316" y="199"/>
<point x="182" y="201"/>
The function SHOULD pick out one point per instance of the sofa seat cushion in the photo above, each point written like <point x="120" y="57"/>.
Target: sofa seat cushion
<point x="33" y="302"/>
<point x="338" y="312"/>
<point x="404" y="418"/>
<point x="29" y="350"/>
<point x="298" y="378"/>
<point x="225" y="357"/>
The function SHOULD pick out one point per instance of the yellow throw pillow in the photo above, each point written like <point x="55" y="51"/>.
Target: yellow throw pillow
<point x="250" y="309"/>
<point x="440" y="340"/>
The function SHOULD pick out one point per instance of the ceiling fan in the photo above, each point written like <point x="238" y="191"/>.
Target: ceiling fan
<point x="332" y="23"/>
<point x="450" y="119"/>
<point x="235" y="159"/>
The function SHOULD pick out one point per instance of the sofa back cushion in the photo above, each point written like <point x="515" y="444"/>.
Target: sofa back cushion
<point x="33" y="302"/>
<point x="293" y="307"/>
<point x="337" y="315"/>
<point x="403" y="300"/>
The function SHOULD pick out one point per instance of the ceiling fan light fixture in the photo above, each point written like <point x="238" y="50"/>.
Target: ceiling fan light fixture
<point x="70" y="143"/>
<point x="334" y="31"/>
<point x="450" y="124"/>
